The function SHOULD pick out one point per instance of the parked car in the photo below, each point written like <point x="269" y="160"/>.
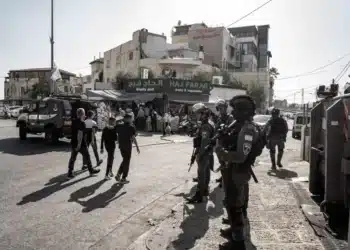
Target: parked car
<point x="298" y="123"/>
<point x="15" y="112"/>
<point x="261" y="120"/>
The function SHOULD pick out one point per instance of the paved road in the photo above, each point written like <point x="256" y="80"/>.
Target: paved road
<point x="41" y="210"/>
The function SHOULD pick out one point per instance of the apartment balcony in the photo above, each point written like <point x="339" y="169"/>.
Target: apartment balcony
<point x="180" y="61"/>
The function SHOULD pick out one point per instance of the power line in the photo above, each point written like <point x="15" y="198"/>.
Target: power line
<point x="342" y="72"/>
<point x="249" y="13"/>
<point x="315" y="70"/>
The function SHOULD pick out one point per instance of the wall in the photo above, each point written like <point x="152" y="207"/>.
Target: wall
<point x="225" y="93"/>
<point x="212" y="41"/>
<point x="17" y="89"/>
<point x="103" y="86"/>
<point x="179" y="39"/>
<point x="117" y="59"/>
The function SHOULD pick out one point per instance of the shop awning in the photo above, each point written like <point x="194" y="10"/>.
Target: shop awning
<point x="115" y="95"/>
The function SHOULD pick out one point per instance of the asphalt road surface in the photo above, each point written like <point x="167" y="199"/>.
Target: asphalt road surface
<point x="40" y="209"/>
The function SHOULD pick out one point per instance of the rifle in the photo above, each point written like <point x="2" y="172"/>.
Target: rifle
<point x="193" y="158"/>
<point x="224" y="131"/>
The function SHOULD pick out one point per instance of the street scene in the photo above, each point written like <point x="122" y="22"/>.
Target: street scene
<point x="41" y="209"/>
<point x="154" y="126"/>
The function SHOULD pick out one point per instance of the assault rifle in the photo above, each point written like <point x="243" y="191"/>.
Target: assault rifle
<point x="221" y="133"/>
<point x="193" y="158"/>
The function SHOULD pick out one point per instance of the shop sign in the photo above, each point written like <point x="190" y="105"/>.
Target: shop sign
<point x="144" y="85"/>
<point x="187" y="86"/>
<point x="167" y="86"/>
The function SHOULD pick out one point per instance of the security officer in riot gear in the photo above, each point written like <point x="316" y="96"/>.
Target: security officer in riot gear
<point x="238" y="169"/>
<point x="276" y="133"/>
<point x="224" y="119"/>
<point x="204" y="157"/>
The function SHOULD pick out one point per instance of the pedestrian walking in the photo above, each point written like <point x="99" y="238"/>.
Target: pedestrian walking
<point x="126" y="136"/>
<point x="108" y="139"/>
<point x="91" y="129"/>
<point x="276" y="131"/>
<point x="79" y="144"/>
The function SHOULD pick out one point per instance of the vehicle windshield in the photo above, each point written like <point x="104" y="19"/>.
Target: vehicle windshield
<point x="300" y="120"/>
<point x="262" y="118"/>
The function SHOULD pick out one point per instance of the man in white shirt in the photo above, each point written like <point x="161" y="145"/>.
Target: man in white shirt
<point x="91" y="128"/>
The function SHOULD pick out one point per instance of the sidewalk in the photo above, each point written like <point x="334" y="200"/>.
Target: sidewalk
<point x="149" y="139"/>
<point x="276" y="221"/>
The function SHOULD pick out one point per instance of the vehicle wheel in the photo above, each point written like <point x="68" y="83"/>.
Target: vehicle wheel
<point x="22" y="133"/>
<point x="293" y="135"/>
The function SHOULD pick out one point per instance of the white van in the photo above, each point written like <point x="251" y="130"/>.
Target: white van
<point x="298" y="123"/>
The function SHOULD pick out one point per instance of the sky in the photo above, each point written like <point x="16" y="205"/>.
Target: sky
<point x="304" y="35"/>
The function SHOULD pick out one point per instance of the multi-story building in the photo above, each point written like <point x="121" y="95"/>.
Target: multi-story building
<point x="217" y="43"/>
<point x="20" y="82"/>
<point x="126" y="58"/>
<point x="252" y="41"/>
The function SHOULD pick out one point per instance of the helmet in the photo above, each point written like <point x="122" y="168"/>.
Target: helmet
<point x="275" y="112"/>
<point x="198" y="107"/>
<point x="243" y="106"/>
<point x="220" y="102"/>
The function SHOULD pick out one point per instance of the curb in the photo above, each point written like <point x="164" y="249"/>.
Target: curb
<point x="303" y="198"/>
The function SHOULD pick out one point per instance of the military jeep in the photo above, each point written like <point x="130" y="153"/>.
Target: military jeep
<point x="52" y="117"/>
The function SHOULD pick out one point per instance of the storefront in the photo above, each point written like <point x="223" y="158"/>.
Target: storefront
<point x="170" y="92"/>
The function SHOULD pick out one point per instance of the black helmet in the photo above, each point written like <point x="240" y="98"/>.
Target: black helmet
<point x="275" y="112"/>
<point x="243" y="107"/>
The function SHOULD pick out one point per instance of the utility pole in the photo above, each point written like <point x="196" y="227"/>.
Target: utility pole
<point x="302" y="96"/>
<point x="52" y="87"/>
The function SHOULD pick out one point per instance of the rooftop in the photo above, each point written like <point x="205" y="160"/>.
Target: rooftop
<point x="99" y="60"/>
<point x="42" y="69"/>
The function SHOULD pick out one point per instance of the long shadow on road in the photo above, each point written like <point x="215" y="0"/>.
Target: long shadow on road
<point x="99" y="201"/>
<point x="196" y="224"/>
<point x="31" y="146"/>
<point x="49" y="190"/>
<point x="282" y="173"/>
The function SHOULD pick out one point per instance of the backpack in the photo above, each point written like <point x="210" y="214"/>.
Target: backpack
<point x="257" y="147"/>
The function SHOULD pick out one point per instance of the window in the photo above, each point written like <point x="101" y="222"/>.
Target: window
<point x="22" y="91"/>
<point x="131" y="55"/>
<point x="108" y="64"/>
<point x="31" y="74"/>
<point x="66" y="89"/>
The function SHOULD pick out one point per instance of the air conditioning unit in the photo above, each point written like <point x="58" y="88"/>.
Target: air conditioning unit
<point x="217" y="80"/>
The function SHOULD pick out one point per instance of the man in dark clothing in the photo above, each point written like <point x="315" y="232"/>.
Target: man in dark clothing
<point x="223" y="119"/>
<point x="126" y="136"/>
<point x="108" y="139"/>
<point x="79" y="145"/>
<point x="276" y="133"/>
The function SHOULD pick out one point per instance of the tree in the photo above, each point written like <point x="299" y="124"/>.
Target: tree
<point x="273" y="76"/>
<point x="39" y="89"/>
<point x="274" y="72"/>
<point x="257" y="92"/>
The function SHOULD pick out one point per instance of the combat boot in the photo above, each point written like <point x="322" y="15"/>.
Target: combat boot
<point x="226" y="232"/>
<point x="225" y="221"/>
<point x="196" y="198"/>
<point x="273" y="161"/>
<point x="279" y="158"/>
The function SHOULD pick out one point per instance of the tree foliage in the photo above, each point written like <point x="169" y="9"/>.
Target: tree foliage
<point x="41" y="88"/>
<point x="120" y="79"/>
<point x="274" y="72"/>
<point x="257" y="92"/>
